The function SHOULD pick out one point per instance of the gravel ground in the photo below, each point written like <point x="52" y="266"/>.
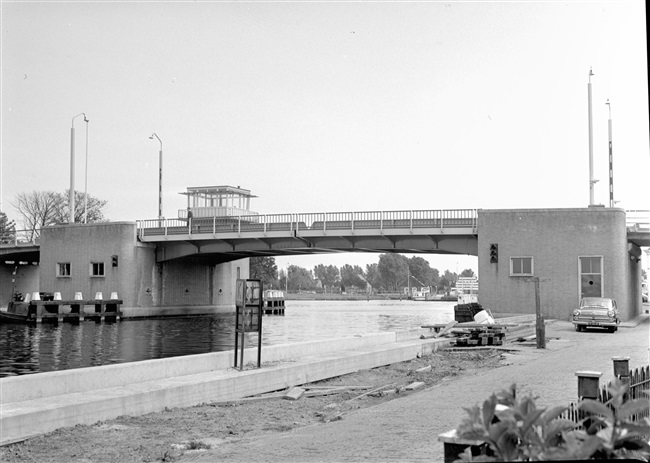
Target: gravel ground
<point x="176" y="434"/>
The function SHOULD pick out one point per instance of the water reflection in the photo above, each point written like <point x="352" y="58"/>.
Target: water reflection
<point x="26" y="349"/>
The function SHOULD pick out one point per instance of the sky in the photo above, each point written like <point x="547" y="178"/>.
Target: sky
<point x="326" y="106"/>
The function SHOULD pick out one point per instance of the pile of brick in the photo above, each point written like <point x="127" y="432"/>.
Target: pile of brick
<point x="488" y="336"/>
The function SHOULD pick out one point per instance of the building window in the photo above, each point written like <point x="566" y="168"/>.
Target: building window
<point x="63" y="269"/>
<point x="591" y="276"/>
<point x="521" y="266"/>
<point x="97" y="269"/>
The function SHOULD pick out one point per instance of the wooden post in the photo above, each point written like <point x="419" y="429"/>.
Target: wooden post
<point x="540" y="332"/>
<point x="236" y="334"/>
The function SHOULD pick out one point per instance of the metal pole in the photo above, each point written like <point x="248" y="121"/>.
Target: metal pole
<point x="160" y="173"/>
<point x="86" y="186"/>
<point x="611" y="158"/>
<point x="591" y="148"/>
<point x="160" y="170"/>
<point x="71" y="193"/>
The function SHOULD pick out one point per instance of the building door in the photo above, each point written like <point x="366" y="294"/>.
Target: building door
<point x="591" y="276"/>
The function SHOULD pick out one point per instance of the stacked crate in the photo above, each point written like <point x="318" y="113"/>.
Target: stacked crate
<point x="488" y="336"/>
<point x="466" y="312"/>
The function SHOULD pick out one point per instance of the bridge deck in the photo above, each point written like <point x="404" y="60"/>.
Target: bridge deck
<point x="409" y="221"/>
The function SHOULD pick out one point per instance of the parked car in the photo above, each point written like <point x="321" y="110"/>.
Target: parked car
<point x="596" y="312"/>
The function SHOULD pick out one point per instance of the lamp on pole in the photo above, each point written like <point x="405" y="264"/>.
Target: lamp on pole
<point x="160" y="157"/>
<point x="71" y="193"/>
<point x="611" y="159"/>
<point x="591" y="143"/>
<point x="86" y="186"/>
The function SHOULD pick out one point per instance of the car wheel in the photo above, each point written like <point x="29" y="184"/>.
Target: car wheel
<point x="578" y="328"/>
<point x="611" y="329"/>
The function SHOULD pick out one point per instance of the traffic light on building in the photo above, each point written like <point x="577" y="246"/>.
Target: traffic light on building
<point x="494" y="253"/>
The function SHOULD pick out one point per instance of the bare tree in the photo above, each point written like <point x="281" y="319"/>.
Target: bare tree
<point x="39" y="209"/>
<point x="44" y="208"/>
<point x="95" y="208"/>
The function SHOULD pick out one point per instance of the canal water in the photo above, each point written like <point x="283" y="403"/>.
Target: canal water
<point x="26" y="349"/>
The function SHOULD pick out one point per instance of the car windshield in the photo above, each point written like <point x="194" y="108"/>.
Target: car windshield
<point x="596" y="302"/>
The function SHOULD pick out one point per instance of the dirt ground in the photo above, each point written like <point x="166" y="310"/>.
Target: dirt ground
<point x="168" y="435"/>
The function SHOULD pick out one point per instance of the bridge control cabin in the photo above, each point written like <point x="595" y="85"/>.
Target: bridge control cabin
<point x="217" y="201"/>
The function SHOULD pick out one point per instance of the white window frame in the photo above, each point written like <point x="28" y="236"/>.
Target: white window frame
<point x="65" y="274"/>
<point x="602" y="274"/>
<point x="532" y="267"/>
<point x="92" y="269"/>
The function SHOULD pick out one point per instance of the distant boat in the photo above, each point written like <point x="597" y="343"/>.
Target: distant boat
<point x="421" y="294"/>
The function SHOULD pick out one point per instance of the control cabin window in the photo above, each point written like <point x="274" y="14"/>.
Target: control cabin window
<point x="521" y="266"/>
<point x="97" y="269"/>
<point x="63" y="269"/>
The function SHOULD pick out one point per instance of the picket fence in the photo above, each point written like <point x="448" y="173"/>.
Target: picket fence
<point x="639" y="384"/>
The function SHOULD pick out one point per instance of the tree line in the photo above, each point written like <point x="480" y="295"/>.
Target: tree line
<point x="390" y="274"/>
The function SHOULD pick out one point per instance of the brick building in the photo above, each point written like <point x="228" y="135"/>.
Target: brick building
<point x="574" y="252"/>
<point x="107" y="257"/>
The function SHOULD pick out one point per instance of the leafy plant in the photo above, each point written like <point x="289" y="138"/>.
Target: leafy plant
<point x="514" y="429"/>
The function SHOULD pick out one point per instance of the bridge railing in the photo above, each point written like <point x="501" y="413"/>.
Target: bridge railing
<point x="637" y="219"/>
<point x="312" y="221"/>
<point x="20" y="237"/>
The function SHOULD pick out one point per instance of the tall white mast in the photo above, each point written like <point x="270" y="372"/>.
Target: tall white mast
<point x="591" y="144"/>
<point x="611" y="159"/>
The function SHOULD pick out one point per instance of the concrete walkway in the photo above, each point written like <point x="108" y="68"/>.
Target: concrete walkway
<point x="406" y="429"/>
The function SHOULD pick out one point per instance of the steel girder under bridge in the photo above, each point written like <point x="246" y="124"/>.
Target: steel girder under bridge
<point x="222" y="239"/>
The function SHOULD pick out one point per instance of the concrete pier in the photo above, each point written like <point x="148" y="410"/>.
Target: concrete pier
<point x="40" y="403"/>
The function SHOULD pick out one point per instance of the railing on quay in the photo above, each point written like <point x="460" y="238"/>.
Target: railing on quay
<point x="316" y="221"/>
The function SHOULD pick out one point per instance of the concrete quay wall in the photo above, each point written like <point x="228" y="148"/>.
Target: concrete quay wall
<point x="57" y="383"/>
<point x="307" y="362"/>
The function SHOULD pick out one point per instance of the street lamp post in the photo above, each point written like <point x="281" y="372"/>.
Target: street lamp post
<point x="71" y="193"/>
<point x="86" y="185"/>
<point x="611" y="159"/>
<point x="592" y="182"/>
<point x="160" y="168"/>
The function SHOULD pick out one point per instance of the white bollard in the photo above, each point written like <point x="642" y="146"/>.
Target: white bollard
<point x="114" y="296"/>
<point x="98" y="296"/>
<point x="57" y="296"/>
<point x="78" y="297"/>
<point x="36" y="297"/>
